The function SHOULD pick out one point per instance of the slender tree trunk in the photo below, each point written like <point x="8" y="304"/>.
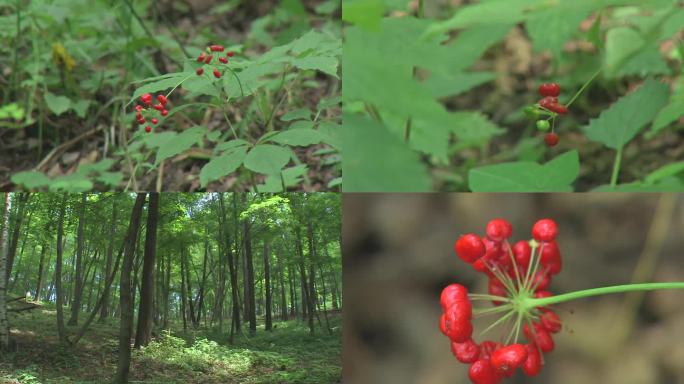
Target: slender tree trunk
<point x="325" y="309"/>
<point x="21" y="205"/>
<point x="58" y="274"/>
<point x="250" y="294"/>
<point x="267" y="287"/>
<point x="144" y="332"/>
<point x="312" y="276"/>
<point x="41" y="265"/>
<point x="188" y="285"/>
<point x="183" y="292"/>
<point x="4" y="323"/>
<point x="283" y="302"/>
<point x="200" y="300"/>
<point x="167" y="291"/>
<point x="78" y="287"/>
<point x="293" y="293"/>
<point x="125" y="296"/>
<point x="104" y="312"/>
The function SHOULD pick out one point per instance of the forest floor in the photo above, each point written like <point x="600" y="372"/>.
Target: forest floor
<point x="287" y="354"/>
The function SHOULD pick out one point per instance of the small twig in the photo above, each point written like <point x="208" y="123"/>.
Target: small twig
<point x="64" y="146"/>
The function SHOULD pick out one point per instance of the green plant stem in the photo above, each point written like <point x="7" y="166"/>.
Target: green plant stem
<point x="583" y="88"/>
<point x="532" y="303"/>
<point x="616" y="168"/>
<point x="421" y="9"/>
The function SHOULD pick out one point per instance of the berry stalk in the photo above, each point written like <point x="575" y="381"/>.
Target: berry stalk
<point x="541" y="302"/>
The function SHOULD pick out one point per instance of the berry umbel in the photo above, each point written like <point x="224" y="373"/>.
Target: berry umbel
<point x="151" y="111"/>
<point x="207" y="57"/>
<point x="516" y="273"/>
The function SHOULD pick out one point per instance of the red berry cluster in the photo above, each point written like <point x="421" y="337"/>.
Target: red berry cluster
<point x="517" y="270"/>
<point x="142" y="112"/>
<point x="549" y="102"/>
<point x="206" y="58"/>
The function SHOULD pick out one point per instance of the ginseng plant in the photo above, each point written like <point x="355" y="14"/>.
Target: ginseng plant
<point x="519" y="276"/>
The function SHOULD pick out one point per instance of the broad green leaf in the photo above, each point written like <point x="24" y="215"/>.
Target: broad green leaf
<point x="57" y="104"/>
<point x="267" y="159"/>
<point x="180" y="143"/>
<point x="456" y="83"/>
<point x="81" y="107"/>
<point x="621" y="44"/>
<point x="378" y="161"/>
<point x="327" y="65"/>
<point x="594" y="33"/>
<point x="673" y="111"/>
<point x="228" y="145"/>
<point x="555" y="176"/>
<point x="671" y="184"/>
<point x="298" y="137"/>
<point x="71" y="184"/>
<point x="648" y="61"/>
<point x="223" y="165"/>
<point x="290" y="177"/>
<point x="331" y="134"/>
<point x="365" y="13"/>
<point x="550" y="29"/>
<point x="110" y="178"/>
<point x="474" y="127"/>
<point x="170" y="81"/>
<point x="202" y="85"/>
<point x="297" y="114"/>
<point x="672" y="169"/>
<point x="617" y="125"/>
<point x="31" y="179"/>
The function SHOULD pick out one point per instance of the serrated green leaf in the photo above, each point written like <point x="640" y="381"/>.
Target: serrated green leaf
<point x="331" y="134"/>
<point x="71" y="184"/>
<point x="267" y="159"/>
<point x="290" y="177"/>
<point x="456" y="83"/>
<point x="110" y="178"/>
<point x="617" y="125"/>
<point x="57" y="104"/>
<point x="180" y="143"/>
<point x="31" y="179"/>
<point x="550" y="29"/>
<point x="378" y="161"/>
<point x="298" y="137"/>
<point x="222" y="165"/>
<point x="474" y="127"/>
<point x="325" y="64"/>
<point x="555" y="176"/>
<point x="672" y="111"/>
<point x="228" y="145"/>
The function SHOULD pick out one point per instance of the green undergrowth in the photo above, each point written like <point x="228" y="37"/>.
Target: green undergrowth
<point x="287" y="354"/>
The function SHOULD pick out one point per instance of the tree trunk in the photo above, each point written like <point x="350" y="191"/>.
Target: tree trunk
<point x="21" y="205"/>
<point x="58" y="273"/>
<point x="267" y="288"/>
<point x="250" y="305"/>
<point x="312" y="276"/>
<point x="78" y="288"/>
<point x="4" y="324"/>
<point x="184" y="304"/>
<point x="325" y="310"/>
<point x="104" y="312"/>
<point x="125" y="296"/>
<point x="41" y="265"/>
<point x="167" y="291"/>
<point x="145" y="315"/>
<point x="188" y="285"/>
<point x="283" y="300"/>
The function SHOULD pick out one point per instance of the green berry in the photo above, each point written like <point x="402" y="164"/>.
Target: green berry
<point x="531" y="111"/>
<point x="543" y="125"/>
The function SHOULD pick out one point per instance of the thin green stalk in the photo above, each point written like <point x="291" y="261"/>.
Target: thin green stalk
<point x="616" y="168"/>
<point x="583" y="88"/>
<point x="532" y="303"/>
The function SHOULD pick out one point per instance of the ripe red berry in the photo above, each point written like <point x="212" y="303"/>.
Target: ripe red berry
<point x="141" y="121"/>
<point x="499" y="230"/>
<point x="487" y="347"/>
<point x="541" y="281"/>
<point x="532" y="365"/>
<point x="458" y="326"/>
<point x="522" y="252"/>
<point x="164" y="112"/>
<point x="155" y="121"/>
<point x="549" y="89"/>
<point x="223" y="60"/>
<point x="158" y="107"/>
<point x="162" y="99"/>
<point x="545" y="230"/>
<point x="551" y="139"/>
<point x="216" y="48"/>
<point x="469" y="248"/>
<point x="146" y="98"/>
<point x="509" y="358"/>
<point x="230" y="54"/>
<point x="217" y="74"/>
<point x="551" y="321"/>
<point x="138" y="108"/>
<point x="207" y="60"/>
<point x="466" y="352"/>
<point x="200" y="71"/>
<point x="451" y="294"/>
<point x="540" y="337"/>
<point x="547" y="102"/>
<point x="550" y="257"/>
<point x="482" y="372"/>
<point x="201" y="57"/>
<point x="558" y="108"/>
<point x="148" y="129"/>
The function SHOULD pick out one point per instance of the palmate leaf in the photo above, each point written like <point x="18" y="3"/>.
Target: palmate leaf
<point x="268" y="159"/>
<point x="525" y="176"/>
<point x="617" y="125"/>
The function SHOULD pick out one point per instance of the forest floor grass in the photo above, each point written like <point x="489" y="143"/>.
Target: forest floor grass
<point x="287" y="354"/>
